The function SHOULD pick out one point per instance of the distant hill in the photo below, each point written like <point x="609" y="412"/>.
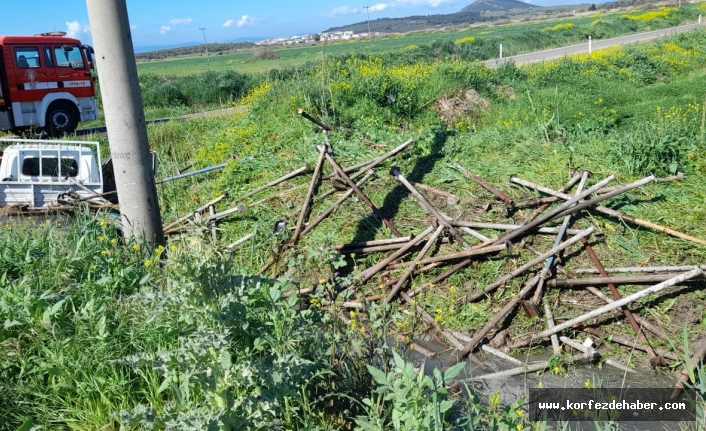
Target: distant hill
<point x="480" y="6"/>
<point x="213" y="49"/>
<point x="468" y="15"/>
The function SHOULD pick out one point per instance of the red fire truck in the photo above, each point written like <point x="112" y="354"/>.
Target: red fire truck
<point x="46" y="83"/>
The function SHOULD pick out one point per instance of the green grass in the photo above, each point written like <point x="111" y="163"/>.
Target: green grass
<point x="101" y="334"/>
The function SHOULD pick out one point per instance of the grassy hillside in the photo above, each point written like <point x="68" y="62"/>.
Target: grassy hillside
<point x="518" y="38"/>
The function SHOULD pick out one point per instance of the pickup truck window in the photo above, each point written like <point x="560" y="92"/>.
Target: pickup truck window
<point x="50" y="167"/>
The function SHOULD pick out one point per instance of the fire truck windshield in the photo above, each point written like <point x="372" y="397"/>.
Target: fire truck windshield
<point x="69" y="56"/>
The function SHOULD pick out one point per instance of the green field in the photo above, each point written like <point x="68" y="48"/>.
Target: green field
<point x="102" y="333"/>
<point x="517" y="38"/>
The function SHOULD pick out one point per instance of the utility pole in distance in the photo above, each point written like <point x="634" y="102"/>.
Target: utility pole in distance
<point x="367" y="9"/>
<point x="125" y="121"/>
<point x="203" y="30"/>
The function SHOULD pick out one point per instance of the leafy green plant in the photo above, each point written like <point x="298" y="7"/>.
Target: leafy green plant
<point x="407" y="399"/>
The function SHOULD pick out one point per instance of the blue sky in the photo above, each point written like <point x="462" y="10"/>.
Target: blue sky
<point x="172" y="22"/>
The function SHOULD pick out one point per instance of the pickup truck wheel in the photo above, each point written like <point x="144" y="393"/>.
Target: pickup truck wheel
<point x="62" y="119"/>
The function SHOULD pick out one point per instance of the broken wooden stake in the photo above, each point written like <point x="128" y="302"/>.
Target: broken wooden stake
<point x="502" y="196"/>
<point x="461" y="353"/>
<point x="530" y="368"/>
<point x="403" y="279"/>
<point x="616" y="295"/>
<point x="370" y="272"/>
<point x="506" y="226"/>
<point x="619" y="303"/>
<point x="194" y="212"/>
<point x="497" y="283"/>
<point x="312" y="186"/>
<point x="335" y="205"/>
<point x="590" y="350"/>
<point x="361" y="195"/>
<point x="323" y="126"/>
<point x="603" y="281"/>
<point x="232" y="246"/>
<point x="395" y="172"/>
<point x="273" y="183"/>
<point x="623" y="216"/>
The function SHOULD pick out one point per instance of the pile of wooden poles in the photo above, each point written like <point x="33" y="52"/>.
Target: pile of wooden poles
<point x="448" y="245"/>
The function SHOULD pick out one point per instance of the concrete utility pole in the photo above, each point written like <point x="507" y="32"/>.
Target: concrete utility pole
<point x="203" y="30"/>
<point x="367" y="9"/>
<point x="125" y="120"/>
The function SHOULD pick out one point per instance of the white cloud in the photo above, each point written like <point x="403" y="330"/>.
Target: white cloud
<point x="180" y="21"/>
<point x="245" y="20"/>
<point x="343" y="10"/>
<point x="228" y="23"/>
<point x="165" y="29"/>
<point x="379" y="7"/>
<point x="133" y="27"/>
<point x="75" y="29"/>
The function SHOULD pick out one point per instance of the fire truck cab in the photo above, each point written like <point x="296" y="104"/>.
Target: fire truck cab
<point x="46" y="82"/>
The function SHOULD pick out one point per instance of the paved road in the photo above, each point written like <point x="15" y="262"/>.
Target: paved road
<point x="552" y="54"/>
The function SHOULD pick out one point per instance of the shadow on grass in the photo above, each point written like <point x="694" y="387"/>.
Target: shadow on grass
<point x="369" y="225"/>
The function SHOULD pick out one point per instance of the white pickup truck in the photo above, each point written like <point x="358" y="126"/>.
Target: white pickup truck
<point x="42" y="174"/>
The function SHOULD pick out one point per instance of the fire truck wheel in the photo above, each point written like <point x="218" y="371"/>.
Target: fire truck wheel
<point x="62" y="119"/>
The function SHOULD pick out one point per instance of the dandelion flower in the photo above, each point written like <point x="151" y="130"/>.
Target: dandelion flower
<point x="148" y="263"/>
<point x="100" y="238"/>
<point x="136" y="247"/>
<point x="104" y="252"/>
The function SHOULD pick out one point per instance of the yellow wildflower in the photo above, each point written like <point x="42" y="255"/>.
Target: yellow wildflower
<point x="104" y="252"/>
<point x="113" y="241"/>
<point x="136" y="247"/>
<point x="100" y="238"/>
<point x="148" y="263"/>
<point x="159" y="249"/>
<point x="103" y="223"/>
<point x="587" y="383"/>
